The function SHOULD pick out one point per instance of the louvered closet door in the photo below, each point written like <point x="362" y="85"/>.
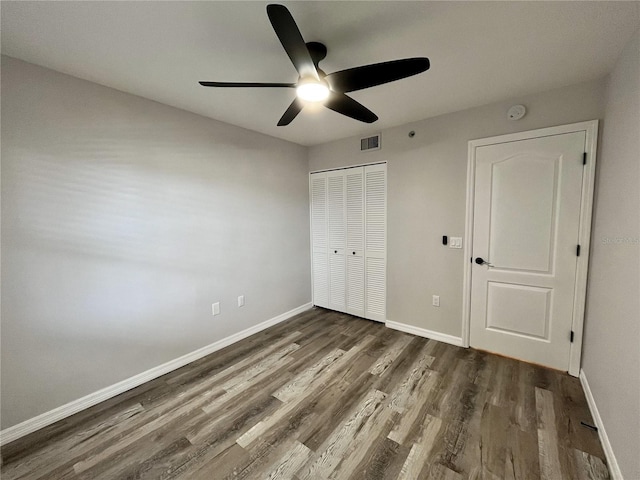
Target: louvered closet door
<point x="319" y="245"/>
<point x="337" y="237"/>
<point x="375" y="241"/>
<point x="354" y="178"/>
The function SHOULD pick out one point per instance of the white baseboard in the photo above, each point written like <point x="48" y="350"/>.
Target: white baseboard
<point x="612" y="463"/>
<point x="36" y="423"/>
<point x="423" y="332"/>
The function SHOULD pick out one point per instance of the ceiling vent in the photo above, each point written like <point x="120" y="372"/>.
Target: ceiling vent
<point x="370" y="143"/>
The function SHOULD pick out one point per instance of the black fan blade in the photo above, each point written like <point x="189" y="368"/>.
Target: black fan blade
<point x="246" y="84"/>
<point x="367" y="76"/>
<point x="339" y="102"/>
<point x="291" y="39"/>
<point x="292" y="112"/>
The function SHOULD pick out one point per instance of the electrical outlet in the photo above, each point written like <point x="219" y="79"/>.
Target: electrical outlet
<point x="435" y="300"/>
<point x="241" y="301"/>
<point x="215" y="308"/>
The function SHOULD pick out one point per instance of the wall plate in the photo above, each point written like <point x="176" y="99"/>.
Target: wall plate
<point x="455" y="242"/>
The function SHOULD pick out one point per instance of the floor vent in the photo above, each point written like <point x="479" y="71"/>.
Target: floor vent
<point x="370" y="143"/>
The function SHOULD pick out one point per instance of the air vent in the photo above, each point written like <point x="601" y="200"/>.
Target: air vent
<point x="370" y="143"/>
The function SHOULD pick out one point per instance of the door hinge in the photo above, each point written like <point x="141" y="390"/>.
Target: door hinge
<point x="588" y="425"/>
<point x="584" y="158"/>
<point x="571" y="337"/>
<point x="578" y="250"/>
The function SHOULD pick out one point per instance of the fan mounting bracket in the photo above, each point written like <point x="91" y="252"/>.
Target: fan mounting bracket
<point x="318" y="52"/>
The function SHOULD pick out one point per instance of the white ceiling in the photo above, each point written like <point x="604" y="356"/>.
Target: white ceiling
<point x="480" y="52"/>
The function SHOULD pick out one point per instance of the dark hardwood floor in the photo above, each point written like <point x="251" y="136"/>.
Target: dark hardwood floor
<point x="326" y="395"/>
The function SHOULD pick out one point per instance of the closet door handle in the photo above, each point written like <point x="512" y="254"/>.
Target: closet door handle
<point x="354" y="253"/>
<point x="335" y="251"/>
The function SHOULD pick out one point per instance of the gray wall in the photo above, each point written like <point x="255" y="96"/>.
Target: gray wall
<point x="122" y="221"/>
<point x="611" y="359"/>
<point x="427" y="194"/>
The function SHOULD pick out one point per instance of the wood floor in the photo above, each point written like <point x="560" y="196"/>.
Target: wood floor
<point x="326" y="395"/>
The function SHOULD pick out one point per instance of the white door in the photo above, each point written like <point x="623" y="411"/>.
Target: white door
<point x="525" y="236"/>
<point x="337" y="238"/>
<point x="355" y="240"/>
<point x="375" y="256"/>
<point x="320" y="263"/>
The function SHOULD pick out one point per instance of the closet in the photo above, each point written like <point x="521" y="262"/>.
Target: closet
<point x="348" y="237"/>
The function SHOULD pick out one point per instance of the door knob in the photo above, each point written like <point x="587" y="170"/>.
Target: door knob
<point x="354" y="253"/>
<point x="481" y="261"/>
<point x="335" y="251"/>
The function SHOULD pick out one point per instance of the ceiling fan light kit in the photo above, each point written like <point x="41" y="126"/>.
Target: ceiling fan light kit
<point x="312" y="90"/>
<point x="314" y="85"/>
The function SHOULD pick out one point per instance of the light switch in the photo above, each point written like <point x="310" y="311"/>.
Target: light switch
<point x="455" y="242"/>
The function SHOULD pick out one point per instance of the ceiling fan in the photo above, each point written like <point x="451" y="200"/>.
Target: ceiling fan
<point x="314" y="85"/>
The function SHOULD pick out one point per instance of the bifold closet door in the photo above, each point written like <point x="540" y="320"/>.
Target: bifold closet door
<point x="375" y="241"/>
<point x="349" y="232"/>
<point x="354" y="179"/>
<point x="319" y="244"/>
<point x="337" y="237"/>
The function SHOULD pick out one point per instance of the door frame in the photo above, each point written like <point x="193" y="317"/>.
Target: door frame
<point x="584" y="235"/>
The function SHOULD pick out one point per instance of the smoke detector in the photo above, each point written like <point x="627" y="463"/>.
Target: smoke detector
<point x="516" y="112"/>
